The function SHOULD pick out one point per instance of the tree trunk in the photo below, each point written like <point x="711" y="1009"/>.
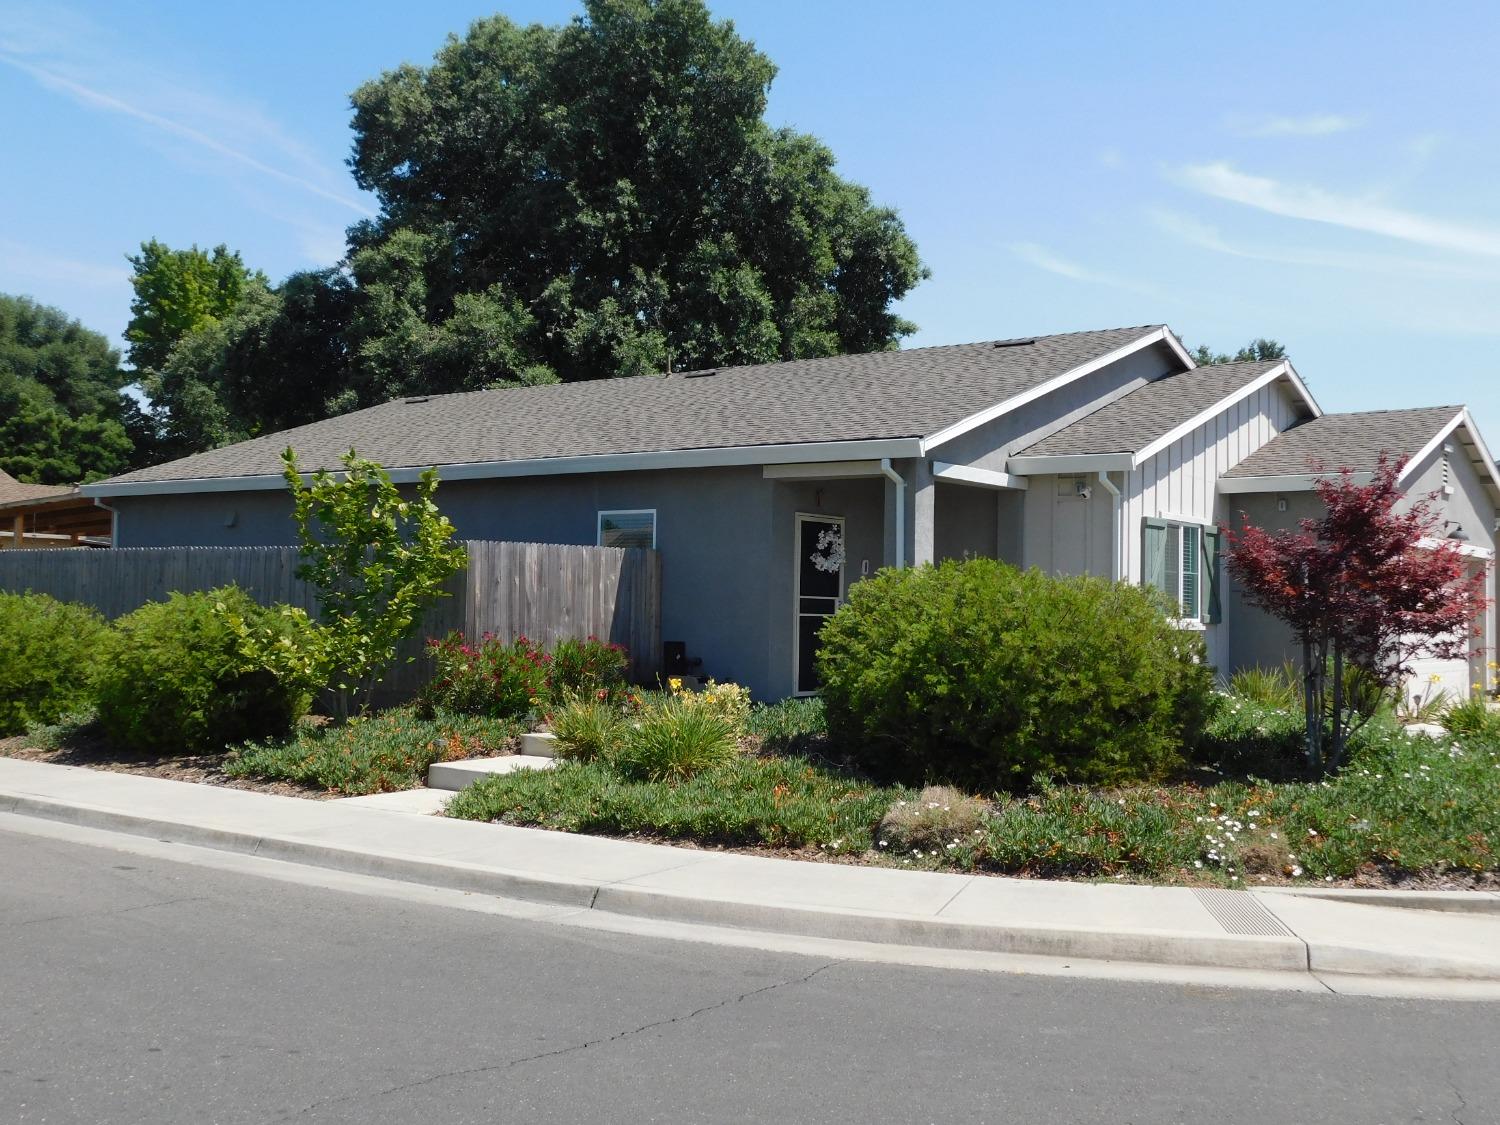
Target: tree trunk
<point x="1312" y="700"/>
<point x="1336" y="752"/>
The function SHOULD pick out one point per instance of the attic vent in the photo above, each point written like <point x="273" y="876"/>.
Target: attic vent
<point x="1014" y="343"/>
<point x="414" y="399"/>
<point x="700" y="374"/>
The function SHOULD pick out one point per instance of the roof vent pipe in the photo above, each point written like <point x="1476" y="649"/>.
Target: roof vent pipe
<point x="900" y="481"/>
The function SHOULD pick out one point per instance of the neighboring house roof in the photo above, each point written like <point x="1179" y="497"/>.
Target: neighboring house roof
<point x="914" y="393"/>
<point x="1346" y="441"/>
<point x="13" y="491"/>
<point x="1131" y="423"/>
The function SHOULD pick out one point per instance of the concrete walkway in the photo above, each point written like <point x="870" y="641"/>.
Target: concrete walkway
<point x="1251" y="930"/>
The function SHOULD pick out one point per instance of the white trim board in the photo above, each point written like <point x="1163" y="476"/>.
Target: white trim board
<point x="1480" y="452"/>
<point x="1162" y="335"/>
<point x="822" y="470"/>
<point x="1296" y="482"/>
<point x="1072" y="463"/>
<point x="552" y="466"/>
<point x="979" y="478"/>
<point x="1468" y="550"/>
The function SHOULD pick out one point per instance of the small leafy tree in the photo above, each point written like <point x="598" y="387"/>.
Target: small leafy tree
<point x="378" y="560"/>
<point x="1364" y="585"/>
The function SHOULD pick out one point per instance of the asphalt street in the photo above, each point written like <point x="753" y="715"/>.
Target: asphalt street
<point x="138" y="989"/>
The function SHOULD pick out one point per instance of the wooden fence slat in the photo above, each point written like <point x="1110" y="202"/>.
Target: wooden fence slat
<point x="546" y="591"/>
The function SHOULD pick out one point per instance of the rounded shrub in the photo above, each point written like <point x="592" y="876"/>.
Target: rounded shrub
<point x="983" y="675"/>
<point x="48" y="650"/>
<point x="179" y="676"/>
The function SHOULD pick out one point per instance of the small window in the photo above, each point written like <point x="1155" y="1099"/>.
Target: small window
<point x="1182" y="561"/>
<point x="635" y="528"/>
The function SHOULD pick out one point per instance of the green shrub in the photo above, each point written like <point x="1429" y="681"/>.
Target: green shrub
<point x="779" y="802"/>
<point x="980" y="674"/>
<point x="790" y="725"/>
<point x="1248" y="735"/>
<point x="586" y="667"/>
<point x="379" y="754"/>
<point x="586" y="729"/>
<point x="672" y="740"/>
<point x="48" y="650"/>
<point x="176" y="676"/>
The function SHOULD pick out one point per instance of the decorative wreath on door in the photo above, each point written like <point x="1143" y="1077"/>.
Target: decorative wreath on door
<point x="829" y="557"/>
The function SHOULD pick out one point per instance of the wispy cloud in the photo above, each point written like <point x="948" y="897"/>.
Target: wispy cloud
<point x="26" y="263"/>
<point x="1195" y="232"/>
<point x="1314" y="204"/>
<point x="1312" y="125"/>
<point x="77" y="59"/>
<point x="1035" y="254"/>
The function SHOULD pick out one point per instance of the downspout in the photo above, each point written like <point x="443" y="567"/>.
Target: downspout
<point x="114" y="522"/>
<point x="1114" y="525"/>
<point x="891" y="474"/>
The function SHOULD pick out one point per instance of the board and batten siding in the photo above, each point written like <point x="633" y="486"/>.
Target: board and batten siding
<point x="1181" y="482"/>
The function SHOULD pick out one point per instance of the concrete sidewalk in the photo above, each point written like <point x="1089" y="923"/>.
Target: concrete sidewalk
<point x="1253" y="930"/>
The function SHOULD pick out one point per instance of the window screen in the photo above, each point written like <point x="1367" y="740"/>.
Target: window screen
<point x="635" y="528"/>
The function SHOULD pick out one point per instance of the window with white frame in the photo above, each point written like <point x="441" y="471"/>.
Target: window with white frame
<point x="1182" y="561"/>
<point x="635" y="527"/>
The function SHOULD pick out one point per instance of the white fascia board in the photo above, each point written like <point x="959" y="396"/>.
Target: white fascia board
<point x="974" y="421"/>
<point x="1468" y="550"/>
<point x="1484" y="454"/>
<point x="980" y="478"/>
<point x="1296" y="482"/>
<point x="1301" y="388"/>
<point x="1209" y="414"/>
<point x="822" y="470"/>
<point x="728" y="456"/>
<point x="1431" y="447"/>
<point x="1072" y="463"/>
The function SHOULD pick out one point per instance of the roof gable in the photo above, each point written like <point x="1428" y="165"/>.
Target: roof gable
<point x="1352" y="441"/>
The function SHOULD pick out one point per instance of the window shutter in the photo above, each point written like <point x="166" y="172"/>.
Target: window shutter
<point x="1213" y="576"/>
<point x="1154" y="556"/>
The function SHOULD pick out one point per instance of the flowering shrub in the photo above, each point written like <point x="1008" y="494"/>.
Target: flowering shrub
<point x="47" y="650"/>
<point x="520" y="678"/>
<point x="491" y="678"/>
<point x="729" y="703"/>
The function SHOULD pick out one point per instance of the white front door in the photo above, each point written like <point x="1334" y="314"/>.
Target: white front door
<point x="819" y="590"/>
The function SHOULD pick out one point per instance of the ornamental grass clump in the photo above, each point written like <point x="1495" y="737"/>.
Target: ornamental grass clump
<point x="941" y="819"/>
<point x="586" y="730"/>
<point x="981" y="675"/>
<point x="674" y="740"/>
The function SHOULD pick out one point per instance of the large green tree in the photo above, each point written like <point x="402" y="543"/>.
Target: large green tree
<point x="577" y="202"/>
<point x="62" y="417"/>
<point x="177" y="292"/>
<point x="1258" y="349"/>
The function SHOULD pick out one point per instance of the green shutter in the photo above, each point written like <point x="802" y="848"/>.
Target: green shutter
<point x="1213" y="576"/>
<point x="1154" y="556"/>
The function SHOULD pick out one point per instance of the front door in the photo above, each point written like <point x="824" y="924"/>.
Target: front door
<point x="820" y="590"/>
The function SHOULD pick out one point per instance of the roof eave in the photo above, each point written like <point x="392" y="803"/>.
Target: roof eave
<point x="723" y="457"/>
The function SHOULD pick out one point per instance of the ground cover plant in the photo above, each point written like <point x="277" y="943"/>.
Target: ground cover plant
<point x="379" y="753"/>
<point x="48" y="650"/>
<point x="1403" y="807"/>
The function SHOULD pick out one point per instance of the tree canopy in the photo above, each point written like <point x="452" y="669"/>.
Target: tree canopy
<point x="62" y="417"/>
<point x="177" y="292"/>
<point x="1258" y="349"/>
<point x="598" y="199"/>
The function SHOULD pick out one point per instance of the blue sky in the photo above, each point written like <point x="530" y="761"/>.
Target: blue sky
<point x="1323" y="174"/>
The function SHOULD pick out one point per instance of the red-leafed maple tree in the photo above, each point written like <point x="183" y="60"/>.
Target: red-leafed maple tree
<point x="1365" y="585"/>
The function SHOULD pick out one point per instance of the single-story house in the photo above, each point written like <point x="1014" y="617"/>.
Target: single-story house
<point x="49" y="515"/>
<point x="769" y="489"/>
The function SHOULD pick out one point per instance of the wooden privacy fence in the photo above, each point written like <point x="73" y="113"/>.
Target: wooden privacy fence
<point x="545" y="591"/>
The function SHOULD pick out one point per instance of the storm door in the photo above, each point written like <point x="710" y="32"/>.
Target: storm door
<point x="819" y="591"/>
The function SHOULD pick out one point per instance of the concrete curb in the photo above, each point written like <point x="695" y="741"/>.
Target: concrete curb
<point x="1228" y="951"/>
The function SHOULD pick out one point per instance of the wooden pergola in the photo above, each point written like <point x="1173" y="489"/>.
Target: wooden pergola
<point x="34" y="515"/>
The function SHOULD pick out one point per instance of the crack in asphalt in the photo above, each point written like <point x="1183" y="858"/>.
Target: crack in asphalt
<point x="101" y="913"/>
<point x="571" y="1048"/>
<point x="1463" y="1103"/>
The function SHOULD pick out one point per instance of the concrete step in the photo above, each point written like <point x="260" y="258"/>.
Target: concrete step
<point x="457" y="775"/>
<point x="539" y="744"/>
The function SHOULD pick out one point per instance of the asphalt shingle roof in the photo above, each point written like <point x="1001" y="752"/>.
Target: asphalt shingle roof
<point x="1131" y="423"/>
<point x="888" y="394"/>
<point x="13" y="491"/>
<point x="1346" y="441"/>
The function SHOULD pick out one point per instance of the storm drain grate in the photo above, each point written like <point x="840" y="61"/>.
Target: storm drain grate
<point x="1239" y="913"/>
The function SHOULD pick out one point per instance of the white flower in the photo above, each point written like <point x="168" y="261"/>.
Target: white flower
<point x="882" y="843"/>
<point x="1311" y="832"/>
<point x="1296" y="871"/>
<point x="1197" y="863"/>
